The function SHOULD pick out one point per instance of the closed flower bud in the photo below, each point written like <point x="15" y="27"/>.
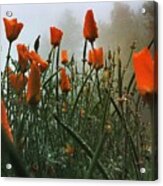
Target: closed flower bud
<point x="90" y="30"/>
<point x="64" y="57"/>
<point x="65" y="82"/>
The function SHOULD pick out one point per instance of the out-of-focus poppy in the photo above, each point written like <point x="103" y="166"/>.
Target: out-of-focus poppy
<point x="65" y="82"/>
<point x="69" y="150"/>
<point x="17" y="81"/>
<point x="64" y="56"/>
<point x="82" y="113"/>
<point x="56" y="36"/>
<point x="34" y="85"/>
<point x="144" y="71"/>
<point x="64" y="107"/>
<point x="99" y="58"/>
<point x="105" y="75"/>
<point x="13" y="28"/>
<point x="5" y="122"/>
<point x="23" y="57"/>
<point x="90" y="30"/>
<point x="33" y="56"/>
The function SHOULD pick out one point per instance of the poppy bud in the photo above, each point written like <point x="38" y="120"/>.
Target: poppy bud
<point x="65" y="82"/>
<point x="64" y="56"/>
<point x="90" y="30"/>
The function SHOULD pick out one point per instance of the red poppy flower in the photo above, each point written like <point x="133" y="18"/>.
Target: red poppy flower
<point x="13" y="29"/>
<point x="56" y="36"/>
<point x="4" y="121"/>
<point x="33" y="56"/>
<point x="144" y="71"/>
<point x="17" y="81"/>
<point x="90" y="30"/>
<point x="65" y="82"/>
<point x="23" y="57"/>
<point x="33" y="86"/>
<point x="64" y="56"/>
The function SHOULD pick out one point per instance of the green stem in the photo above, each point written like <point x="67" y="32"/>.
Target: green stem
<point x="130" y="82"/>
<point x="10" y="150"/>
<point x="95" y="156"/>
<point x="100" y="143"/>
<point x="83" y="145"/>
<point x="57" y="79"/>
<point x="119" y="78"/>
<point x="8" y="55"/>
<point x="49" y="79"/>
<point x="98" y="86"/>
<point x="154" y="136"/>
<point x="6" y="71"/>
<point x="53" y="57"/>
<point x="127" y="64"/>
<point x="128" y="133"/>
<point x="80" y="91"/>
<point x="84" y="56"/>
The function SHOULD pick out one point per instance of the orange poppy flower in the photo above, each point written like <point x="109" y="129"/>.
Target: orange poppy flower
<point x="33" y="86"/>
<point x="56" y="36"/>
<point x="144" y="71"/>
<point x="13" y="28"/>
<point x="64" y="56"/>
<point x="90" y="30"/>
<point x="156" y="70"/>
<point x="90" y="57"/>
<point x="65" y="82"/>
<point x="5" y="122"/>
<point x="96" y="57"/>
<point x="17" y="81"/>
<point x="33" y="56"/>
<point x="23" y="57"/>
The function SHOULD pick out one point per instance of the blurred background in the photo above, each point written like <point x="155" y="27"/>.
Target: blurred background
<point x="119" y="23"/>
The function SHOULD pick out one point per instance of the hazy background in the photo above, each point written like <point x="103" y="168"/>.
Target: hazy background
<point x="119" y="23"/>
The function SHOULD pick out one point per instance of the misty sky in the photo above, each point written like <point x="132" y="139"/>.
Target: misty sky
<point x="37" y="19"/>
